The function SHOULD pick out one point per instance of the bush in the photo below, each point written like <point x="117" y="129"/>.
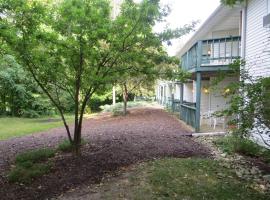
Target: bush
<point x="119" y="106"/>
<point x="98" y="100"/>
<point x="234" y="144"/>
<point x="116" y="111"/>
<point x="66" y="146"/>
<point x="28" y="165"/>
<point x="35" y="156"/>
<point x="24" y="174"/>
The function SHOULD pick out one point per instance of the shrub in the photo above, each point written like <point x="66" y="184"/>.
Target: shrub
<point x="117" y="112"/>
<point x="28" y="165"/>
<point x="234" y="144"/>
<point x="35" y="156"/>
<point x="99" y="100"/>
<point x="66" y="146"/>
<point x="119" y="106"/>
<point x="24" y="174"/>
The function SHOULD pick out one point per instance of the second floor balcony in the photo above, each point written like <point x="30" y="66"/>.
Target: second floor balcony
<point x="212" y="54"/>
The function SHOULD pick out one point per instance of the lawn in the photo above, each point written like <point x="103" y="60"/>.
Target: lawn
<point x="197" y="179"/>
<point x="14" y="127"/>
<point x="193" y="179"/>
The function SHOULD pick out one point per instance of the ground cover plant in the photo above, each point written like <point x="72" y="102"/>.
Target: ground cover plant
<point x="31" y="165"/>
<point x="234" y="144"/>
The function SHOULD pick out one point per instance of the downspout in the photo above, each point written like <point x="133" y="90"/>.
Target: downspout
<point x="244" y="30"/>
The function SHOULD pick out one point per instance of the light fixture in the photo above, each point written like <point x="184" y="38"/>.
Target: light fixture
<point x="227" y="90"/>
<point x="206" y="91"/>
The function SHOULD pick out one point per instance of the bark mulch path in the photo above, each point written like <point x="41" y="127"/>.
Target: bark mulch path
<point x="112" y="143"/>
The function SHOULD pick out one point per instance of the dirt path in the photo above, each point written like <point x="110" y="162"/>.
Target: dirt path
<point x="112" y="143"/>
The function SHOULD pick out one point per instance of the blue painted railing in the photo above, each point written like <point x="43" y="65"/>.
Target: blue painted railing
<point x="188" y="113"/>
<point x="213" y="52"/>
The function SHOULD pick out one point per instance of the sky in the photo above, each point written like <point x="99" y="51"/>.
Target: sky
<point x="184" y="12"/>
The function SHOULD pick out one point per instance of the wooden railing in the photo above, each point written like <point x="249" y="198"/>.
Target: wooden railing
<point x="188" y="114"/>
<point x="173" y="104"/>
<point x="214" y="52"/>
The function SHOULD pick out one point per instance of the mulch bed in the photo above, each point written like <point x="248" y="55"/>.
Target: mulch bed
<point x="112" y="143"/>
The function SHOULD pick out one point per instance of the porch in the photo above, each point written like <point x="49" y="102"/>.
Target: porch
<point x="204" y="60"/>
<point x="201" y="102"/>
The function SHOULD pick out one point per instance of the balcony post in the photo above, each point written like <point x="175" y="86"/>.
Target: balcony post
<point x="198" y="102"/>
<point x="181" y="98"/>
<point x="199" y="54"/>
<point x="181" y="92"/>
<point x="187" y="61"/>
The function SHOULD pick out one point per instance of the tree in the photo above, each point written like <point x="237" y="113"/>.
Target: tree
<point x="231" y="2"/>
<point x="156" y="65"/>
<point x="19" y="94"/>
<point x="74" y="46"/>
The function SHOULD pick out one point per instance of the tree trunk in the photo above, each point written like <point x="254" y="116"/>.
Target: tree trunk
<point x="125" y="99"/>
<point x="77" y="141"/>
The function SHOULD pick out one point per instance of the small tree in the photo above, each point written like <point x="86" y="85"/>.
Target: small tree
<point x="74" y="46"/>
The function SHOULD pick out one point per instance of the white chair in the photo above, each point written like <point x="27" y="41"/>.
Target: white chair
<point x="213" y="119"/>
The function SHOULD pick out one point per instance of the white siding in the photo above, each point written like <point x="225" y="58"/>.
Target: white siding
<point x="188" y="92"/>
<point x="205" y="103"/>
<point x="257" y="39"/>
<point x="268" y="6"/>
<point x="177" y="91"/>
<point x="217" y="100"/>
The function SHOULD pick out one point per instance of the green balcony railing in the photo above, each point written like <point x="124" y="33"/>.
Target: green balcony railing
<point x="188" y="113"/>
<point x="214" y="52"/>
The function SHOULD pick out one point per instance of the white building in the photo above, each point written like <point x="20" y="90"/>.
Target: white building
<point x="228" y="34"/>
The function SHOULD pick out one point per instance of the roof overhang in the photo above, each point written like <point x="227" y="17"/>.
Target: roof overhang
<point x="223" y="14"/>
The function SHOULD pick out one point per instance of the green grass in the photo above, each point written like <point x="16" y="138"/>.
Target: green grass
<point x="31" y="165"/>
<point x="25" y="175"/>
<point x="233" y="144"/>
<point x="66" y="146"/>
<point x="193" y="179"/>
<point x="35" y="156"/>
<point x="14" y="127"/>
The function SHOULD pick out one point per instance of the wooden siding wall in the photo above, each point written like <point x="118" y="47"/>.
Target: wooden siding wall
<point x="188" y="92"/>
<point x="257" y="39"/>
<point x="177" y="92"/>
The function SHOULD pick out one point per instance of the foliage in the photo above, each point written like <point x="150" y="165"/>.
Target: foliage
<point x="19" y="94"/>
<point x="233" y="144"/>
<point x="191" y="178"/>
<point x="99" y="100"/>
<point x="35" y="156"/>
<point x="66" y="146"/>
<point x="15" y="127"/>
<point x="249" y="100"/>
<point x="231" y="2"/>
<point x="75" y="47"/>
<point x="23" y="174"/>
<point x="131" y="104"/>
<point x="29" y="165"/>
